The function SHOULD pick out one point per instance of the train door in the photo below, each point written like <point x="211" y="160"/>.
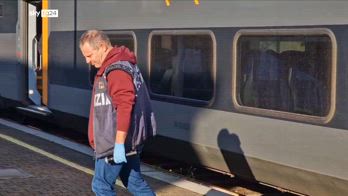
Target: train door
<point x="36" y="72"/>
<point x="34" y="56"/>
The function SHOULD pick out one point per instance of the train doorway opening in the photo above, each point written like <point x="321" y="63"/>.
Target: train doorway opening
<point x="36" y="72"/>
<point x="34" y="53"/>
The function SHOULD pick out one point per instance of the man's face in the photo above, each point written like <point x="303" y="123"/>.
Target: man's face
<point x="93" y="56"/>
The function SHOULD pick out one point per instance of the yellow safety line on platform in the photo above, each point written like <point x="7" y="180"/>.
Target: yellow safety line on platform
<point x="47" y="154"/>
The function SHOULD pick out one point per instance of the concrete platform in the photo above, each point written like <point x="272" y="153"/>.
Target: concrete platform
<point x="30" y="165"/>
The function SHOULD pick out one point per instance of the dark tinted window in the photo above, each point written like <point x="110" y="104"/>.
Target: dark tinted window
<point x="182" y="66"/>
<point x="1" y="14"/>
<point x="285" y="73"/>
<point x="122" y="40"/>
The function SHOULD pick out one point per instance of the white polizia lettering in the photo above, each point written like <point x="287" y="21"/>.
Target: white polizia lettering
<point x="101" y="99"/>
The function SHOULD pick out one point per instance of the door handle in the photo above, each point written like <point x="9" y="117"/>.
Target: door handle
<point x="36" y="65"/>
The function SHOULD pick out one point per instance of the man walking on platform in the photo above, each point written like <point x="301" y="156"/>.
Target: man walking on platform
<point x="112" y="102"/>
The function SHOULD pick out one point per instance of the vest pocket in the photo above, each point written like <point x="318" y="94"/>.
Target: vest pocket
<point x="105" y="131"/>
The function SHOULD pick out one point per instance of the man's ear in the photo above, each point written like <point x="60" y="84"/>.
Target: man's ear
<point x="103" y="46"/>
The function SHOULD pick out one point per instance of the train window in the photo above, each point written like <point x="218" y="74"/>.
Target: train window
<point x="285" y="71"/>
<point x="182" y="65"/>
<point x="119" y="39"/>
<point x="1" y="11"/>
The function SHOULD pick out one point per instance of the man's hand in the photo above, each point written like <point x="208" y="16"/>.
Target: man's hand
<point x="119" y="154"/>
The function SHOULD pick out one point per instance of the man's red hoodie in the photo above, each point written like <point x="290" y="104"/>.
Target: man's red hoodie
<point x="120" y="89"/>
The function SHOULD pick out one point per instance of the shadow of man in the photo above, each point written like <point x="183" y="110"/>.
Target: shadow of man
<point x="230" y="147"/>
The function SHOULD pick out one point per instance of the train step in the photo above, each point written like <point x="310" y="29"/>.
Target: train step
<point x="41" y="110"/>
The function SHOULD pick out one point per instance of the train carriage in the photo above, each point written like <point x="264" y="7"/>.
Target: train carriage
<point x="253" y="88"/>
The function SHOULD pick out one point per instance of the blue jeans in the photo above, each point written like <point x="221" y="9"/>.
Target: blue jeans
<point x="106" y="174"/>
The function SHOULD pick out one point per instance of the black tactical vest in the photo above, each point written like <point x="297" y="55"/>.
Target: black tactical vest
<point x="142" y="125"/>
<point x="104" y="119"/>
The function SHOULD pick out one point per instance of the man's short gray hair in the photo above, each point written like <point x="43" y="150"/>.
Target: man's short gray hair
<point x="94" y="38"/>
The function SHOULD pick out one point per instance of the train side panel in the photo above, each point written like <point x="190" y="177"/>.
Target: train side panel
<point x="69" y="87"/>
<point x="277" y="152"/>
<point x="12" y="71"/>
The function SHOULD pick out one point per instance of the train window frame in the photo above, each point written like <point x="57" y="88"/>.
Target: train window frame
<point x="108" y="33"/>
<point x="287" y="114"/>
<point x="177" y="99"/>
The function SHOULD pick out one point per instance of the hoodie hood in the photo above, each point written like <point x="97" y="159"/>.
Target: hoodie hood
<point x="117" y="54"/>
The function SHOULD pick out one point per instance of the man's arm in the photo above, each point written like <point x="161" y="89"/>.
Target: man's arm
<point x="121" y="90"/>
<point x="120" y="137"/>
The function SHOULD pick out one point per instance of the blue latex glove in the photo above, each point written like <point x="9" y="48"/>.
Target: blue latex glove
<point x="119" y="154"/>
